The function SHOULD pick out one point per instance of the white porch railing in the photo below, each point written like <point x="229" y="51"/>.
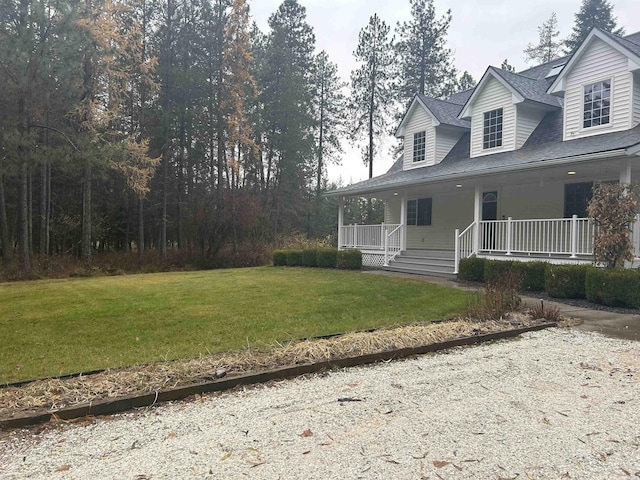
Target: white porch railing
<point x="464" y="245"/>
<point x="558" y="236"/>
<point x="367" y="237"/>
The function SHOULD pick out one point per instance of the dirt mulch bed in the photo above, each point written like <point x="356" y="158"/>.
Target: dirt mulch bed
<point x="49" y="395"/>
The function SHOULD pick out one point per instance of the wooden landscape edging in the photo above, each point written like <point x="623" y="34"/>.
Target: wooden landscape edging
<point x="118" y="405"/>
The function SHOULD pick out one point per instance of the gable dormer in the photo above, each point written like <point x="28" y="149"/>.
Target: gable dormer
<point x="600" y="86"/>
<point x="504" y="109"/>
<point x="430" y="129"/>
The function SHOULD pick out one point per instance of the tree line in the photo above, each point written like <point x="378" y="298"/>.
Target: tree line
<point x="131" y="125"/>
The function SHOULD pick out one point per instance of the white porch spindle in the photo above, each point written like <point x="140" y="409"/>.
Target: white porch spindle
<point x="386" y="251"/>
<point x="509" y="235"/>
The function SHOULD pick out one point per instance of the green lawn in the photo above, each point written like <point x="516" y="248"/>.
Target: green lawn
<point x="61" y="326"/>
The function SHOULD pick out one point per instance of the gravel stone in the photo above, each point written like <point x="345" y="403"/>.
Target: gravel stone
<point x="552" y="404"/>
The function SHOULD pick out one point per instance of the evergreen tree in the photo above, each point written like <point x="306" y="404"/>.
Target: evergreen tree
<point x="330" y="109"/>
<point x="507" y="66"/>
<point x="372" y="96"/>
<point x="548" y="47"/>
<point x="466" y="81"/>
<point x="425" y="64"/>
<point x="593" y="13"/>
<point x="286" y="95"/>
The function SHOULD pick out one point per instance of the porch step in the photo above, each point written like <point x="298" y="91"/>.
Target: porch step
<point x="439" y="263"/>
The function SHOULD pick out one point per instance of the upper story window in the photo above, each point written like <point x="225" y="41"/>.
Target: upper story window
<point x="597" y="104"/>
<point x="419" y="211"/>
<point x="492" y="131"/>
<point x="419" y="146"/>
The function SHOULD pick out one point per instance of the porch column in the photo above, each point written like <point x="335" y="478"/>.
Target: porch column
<point x="477" y="218"/>
<point x="403" y="222"/>
<point x="340" y="221"/>
<point x="625" y="174"/>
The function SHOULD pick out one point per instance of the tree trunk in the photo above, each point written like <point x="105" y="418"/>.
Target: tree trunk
<point x="23" y="225"/>
<point x="140" y="226"/>
<point x="85" y="244"/>
<point x="44" y="209"/>
<point x="4" y="227"/>
<point x="165" y="188"/>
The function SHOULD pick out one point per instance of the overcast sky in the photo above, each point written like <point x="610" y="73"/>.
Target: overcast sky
<point x="481" y="34"/>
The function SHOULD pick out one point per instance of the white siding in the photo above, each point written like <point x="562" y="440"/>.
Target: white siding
<point x="599" y="62"/>
<point x="420" y="121"/>
<point x="494" y="95"/>
<point x="449" y="211"/>
<point x="392" y="211"/>
<point x="527" y="121"/>
<point x="532" y="201"/>
<point x="445" y="140"/>
<point x="636" y="99"/>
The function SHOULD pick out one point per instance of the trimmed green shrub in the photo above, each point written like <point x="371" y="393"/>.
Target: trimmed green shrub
<point x="532" y="274"/>
<point x="471" y="269"/>
<point x="279" y="258"/>
<point x="565" y="281"/>
<point x="294" y="258"/>
<point x="349" y="259"/>
<point x="326" y="257"/>
<point x="310" y="257"/>
<point x="613" y="287"/>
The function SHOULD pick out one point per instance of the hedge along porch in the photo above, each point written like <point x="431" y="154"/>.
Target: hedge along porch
<point x="536" y="213"/>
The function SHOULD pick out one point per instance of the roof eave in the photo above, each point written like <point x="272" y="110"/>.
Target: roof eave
<point x="589" y="157"/>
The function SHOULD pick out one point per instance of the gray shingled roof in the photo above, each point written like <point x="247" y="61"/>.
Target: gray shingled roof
<point x="626" y="42"/>
<point x="444" y="111"/>
<point x="460" y="98"/>
<point x="458" y="164"/>
<point x="531" y="89"/>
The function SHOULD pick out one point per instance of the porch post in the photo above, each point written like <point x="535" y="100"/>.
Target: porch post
<point x="403" y="222"/>
<point x="456" y="243"/>
<point x="509" y="235"/>
<point x="340" y="222"/>
<point x="477" y="217"/>
<point x="625" y="174"/>
<point x="574" y="235"/>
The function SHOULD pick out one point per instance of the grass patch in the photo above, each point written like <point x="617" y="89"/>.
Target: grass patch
<point x="55" y="327"/>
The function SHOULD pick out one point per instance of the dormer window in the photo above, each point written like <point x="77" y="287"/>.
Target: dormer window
<point x="419" y="146"/>
<point x="597" y="104"/>
<point x="492" y="129"/>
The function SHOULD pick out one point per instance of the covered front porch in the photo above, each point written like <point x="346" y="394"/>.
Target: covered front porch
<point x="518" y="216"/>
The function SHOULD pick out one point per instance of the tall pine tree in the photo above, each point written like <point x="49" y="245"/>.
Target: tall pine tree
<point x="593" y="13"/>
<point x="425" y="63"/>
<point x="548" y="47"/>
<point x="372" y="96"/>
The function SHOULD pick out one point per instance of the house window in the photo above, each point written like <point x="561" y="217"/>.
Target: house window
<point x="597" y="104"/>
<point x="419" y="144"/>
<point x="419" y="211"/>
<point x="576" y="198"/>
<point x="492" y="129"/>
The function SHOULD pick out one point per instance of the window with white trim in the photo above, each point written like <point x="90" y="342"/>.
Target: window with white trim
<point x="419" y="211"/>
<point x="492" y="131"/>
<point x="419" y="146"/>
<point x="597" y="104"/>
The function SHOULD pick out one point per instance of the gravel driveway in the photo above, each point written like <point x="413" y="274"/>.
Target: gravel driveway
<point x="550" y="405"/>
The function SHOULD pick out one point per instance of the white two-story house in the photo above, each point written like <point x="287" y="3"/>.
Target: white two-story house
<point x="506" y="170"/>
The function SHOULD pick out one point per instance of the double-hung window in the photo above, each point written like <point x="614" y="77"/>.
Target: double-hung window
<point x="419" y="211"/>
<point x="576" y="198"/>
<point x="419" y="146"/>
<point x="597" y="104"/>
<point x="492" y="129"/>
